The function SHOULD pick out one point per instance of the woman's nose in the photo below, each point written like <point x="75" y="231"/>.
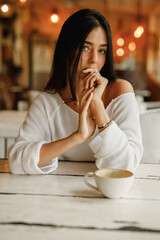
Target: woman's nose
<point x="93" y="58"/>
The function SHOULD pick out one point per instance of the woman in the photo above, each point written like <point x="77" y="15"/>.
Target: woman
<point x="85" y="113"/>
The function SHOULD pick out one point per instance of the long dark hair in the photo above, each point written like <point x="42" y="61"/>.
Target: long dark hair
<point x="69" y="48"/>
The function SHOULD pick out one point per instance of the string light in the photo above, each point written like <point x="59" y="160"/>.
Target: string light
<point x="23" y="1"/>
<point x="141" y="29"/>
<point x="5" y="8"/>
<point x="120" y="52"/>
<point x="120" y="42"/>
<point x="132" y="46"/>
<point x="54" y="18"/>
<point x="127" y="42"/>
<point x="138" y="32"/>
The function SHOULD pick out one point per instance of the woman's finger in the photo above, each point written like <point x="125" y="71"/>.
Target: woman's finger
<point x="94" y="80"/>
<point x="87" y="79"/>
<point x="89" y="70"/>
<point x="85" y="94"/>
<point x="88" y="101"/>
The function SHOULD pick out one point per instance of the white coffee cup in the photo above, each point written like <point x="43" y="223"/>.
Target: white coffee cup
<point x="112" y="183"/>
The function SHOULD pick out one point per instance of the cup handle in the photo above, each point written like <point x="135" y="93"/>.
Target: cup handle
<point x="89" y="174"/>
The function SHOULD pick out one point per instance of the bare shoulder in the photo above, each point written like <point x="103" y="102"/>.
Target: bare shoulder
<point x="122" y="86"/>
<point x="119" y="87"/>
<point x="115" y="89"/>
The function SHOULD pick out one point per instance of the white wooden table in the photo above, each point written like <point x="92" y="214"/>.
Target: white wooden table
<point x="60" y="206"/>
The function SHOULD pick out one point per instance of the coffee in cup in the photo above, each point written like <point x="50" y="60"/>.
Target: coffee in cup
<point x="112" y="183"/>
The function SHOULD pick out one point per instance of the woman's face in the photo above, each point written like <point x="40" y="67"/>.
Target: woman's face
<point x="93" y="55"/>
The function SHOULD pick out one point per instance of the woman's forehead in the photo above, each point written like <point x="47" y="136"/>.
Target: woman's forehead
<point x="98" y="35"/>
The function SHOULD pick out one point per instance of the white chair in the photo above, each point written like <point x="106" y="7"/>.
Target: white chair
<point x="150" y="124"/>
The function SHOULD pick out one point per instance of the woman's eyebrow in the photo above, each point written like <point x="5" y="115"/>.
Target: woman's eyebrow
<point x="102" y="45"/>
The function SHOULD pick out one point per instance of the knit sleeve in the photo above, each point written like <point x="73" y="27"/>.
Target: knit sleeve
<point x="23" y="155"/>
<point x="120" y="145"/>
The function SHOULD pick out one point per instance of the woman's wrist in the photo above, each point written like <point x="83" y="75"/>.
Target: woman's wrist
<point x="96" y="105"/>
<point x="99" y="112"/>
<point x="78" y="138"/>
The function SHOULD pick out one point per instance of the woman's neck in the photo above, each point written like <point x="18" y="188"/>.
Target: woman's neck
<point x="68" y="99"/>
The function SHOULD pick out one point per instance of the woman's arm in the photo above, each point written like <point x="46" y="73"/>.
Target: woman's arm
<point x="85" y="130"/>
<point x="33" y="151"/>
<point x="93" y="78"/>
<point x="52" y="150"/>
<point x="120" y="144"/>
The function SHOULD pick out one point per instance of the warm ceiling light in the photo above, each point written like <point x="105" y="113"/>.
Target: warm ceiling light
<point x="141" y="29"/>
<point x="5" y="8"/>
<point x="120" y="52"/>
<point x="23" y="1"/>
<point x="138" y="32"/>
<point x="120" y="42"/>
<point x="54" y="18"/>
<point x="132" y="46"/>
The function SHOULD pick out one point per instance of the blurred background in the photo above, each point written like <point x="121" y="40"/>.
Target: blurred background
<point x="29" y="31"/>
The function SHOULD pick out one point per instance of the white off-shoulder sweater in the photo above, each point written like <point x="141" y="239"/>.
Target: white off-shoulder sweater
<point x="50" y="119"/>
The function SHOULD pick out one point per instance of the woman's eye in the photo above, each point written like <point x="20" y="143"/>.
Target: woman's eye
<point x="102" y="51"/>
<point x="85" y="47"/>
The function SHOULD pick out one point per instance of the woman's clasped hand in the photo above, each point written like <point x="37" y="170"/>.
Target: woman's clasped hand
<point x="94" y="86"/>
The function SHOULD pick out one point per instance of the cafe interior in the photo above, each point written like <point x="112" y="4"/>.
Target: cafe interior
<point x="28" y="33"/>
<point x="59" y="205"/>
<point x="29" y="30"/>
